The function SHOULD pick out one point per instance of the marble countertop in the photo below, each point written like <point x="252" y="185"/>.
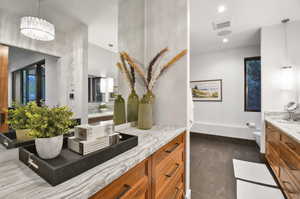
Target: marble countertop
<point x="18" y="181"/>
<point x="291" y="129"/>
<point x="103" y="114"/>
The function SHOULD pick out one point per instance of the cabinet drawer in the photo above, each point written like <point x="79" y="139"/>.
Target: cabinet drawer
<point x="134" y="184"/>
<point x="168" y="149"/>
<point x="291" y="163"/>
<point x="291" y="144"/>
<point x="273" y="159"/>
<point x="288" y="185"/>
<point x="272" y="134"/>
<point x="168" y="169"/>
<point x="175" y="190"/>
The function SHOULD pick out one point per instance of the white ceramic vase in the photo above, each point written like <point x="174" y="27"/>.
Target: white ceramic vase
<point x="49" y="148"/>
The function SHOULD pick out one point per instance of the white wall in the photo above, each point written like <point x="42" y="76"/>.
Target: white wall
<point x="19" y="58"/>
<point x="169" y="29"/>
<point x="131" y="39"/>
<point x="226" y="118"/>
<point x="273" y="58"/>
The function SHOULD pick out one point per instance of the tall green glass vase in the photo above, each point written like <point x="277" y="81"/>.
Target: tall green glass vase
<point x="145" y="116"/>
<point x="132" y="107"/>
<point x="119" y="111"/>
<point x="151" y="96"/>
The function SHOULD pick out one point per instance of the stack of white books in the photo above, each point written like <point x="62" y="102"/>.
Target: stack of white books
<point x="90" y="138"/>
<point x="85" y="147"/>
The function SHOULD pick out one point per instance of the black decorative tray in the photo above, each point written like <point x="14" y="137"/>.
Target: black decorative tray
<point x="9" y="140"/>
<point x="70" y="164"/>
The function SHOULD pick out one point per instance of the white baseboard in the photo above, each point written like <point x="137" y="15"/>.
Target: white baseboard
<point x="233" y="131"/>
<point x="188" y="194"/>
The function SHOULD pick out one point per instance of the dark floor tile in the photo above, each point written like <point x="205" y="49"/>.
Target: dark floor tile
<point x="212" y="175"/>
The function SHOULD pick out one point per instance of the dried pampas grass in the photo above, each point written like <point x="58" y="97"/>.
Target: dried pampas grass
<point x="152" y="75"/>
<point x="136" y="67"/>
<point x="153" y="61"/>
<point x="167" y="66"/>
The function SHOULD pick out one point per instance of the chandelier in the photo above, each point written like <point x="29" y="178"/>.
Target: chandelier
<point x="37" y="28"/>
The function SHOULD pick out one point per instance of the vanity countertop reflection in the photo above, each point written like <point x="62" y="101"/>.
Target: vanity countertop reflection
<point x="18" y="181"/>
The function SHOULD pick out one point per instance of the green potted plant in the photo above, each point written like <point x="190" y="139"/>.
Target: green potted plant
<point x="48" y="125"/>
<point x="18" y="120"/>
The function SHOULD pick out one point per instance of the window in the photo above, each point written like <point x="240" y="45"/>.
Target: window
<point x="252" y="84"/>
<point x="28" y="84"/>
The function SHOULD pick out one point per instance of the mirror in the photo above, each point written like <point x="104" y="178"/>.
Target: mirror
<point x="77" y="68"/>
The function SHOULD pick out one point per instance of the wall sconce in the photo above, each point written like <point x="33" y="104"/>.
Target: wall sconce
<point x="287" y="78"/>
<point x="107" y="85"/>
<point x="110" y="85"/>
<point x="103" y="85"/>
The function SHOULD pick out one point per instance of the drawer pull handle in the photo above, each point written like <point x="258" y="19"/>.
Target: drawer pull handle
<point x="126" y="188"/>
<point x="172" y="149"/>
<point x="173" y="171"/>
<point x="290" y="185"/>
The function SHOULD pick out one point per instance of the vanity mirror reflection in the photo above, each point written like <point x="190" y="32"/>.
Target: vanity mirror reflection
<point x="26" y="76"/>
<point x="102" y="83"/>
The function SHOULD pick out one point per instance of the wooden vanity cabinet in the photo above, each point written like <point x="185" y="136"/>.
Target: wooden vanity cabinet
<point x="100" y="119"/>
<point x="161" y="176"/>
<point x="283" y="156"/>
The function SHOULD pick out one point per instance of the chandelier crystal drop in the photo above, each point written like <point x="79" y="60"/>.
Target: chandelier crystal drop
<point x="37" y="28"/>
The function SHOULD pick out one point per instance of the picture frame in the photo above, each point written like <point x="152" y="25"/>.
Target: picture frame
<point x="207" y="90"/>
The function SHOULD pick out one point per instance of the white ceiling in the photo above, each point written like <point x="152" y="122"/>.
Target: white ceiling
<point x="101" y="16"/>
<point x="247" y="16"/>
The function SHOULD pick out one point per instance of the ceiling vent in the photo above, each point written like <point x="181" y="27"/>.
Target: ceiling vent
<point x="221" y="25"/>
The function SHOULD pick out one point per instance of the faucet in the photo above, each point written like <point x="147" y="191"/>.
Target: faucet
<point x="291" y="108"/>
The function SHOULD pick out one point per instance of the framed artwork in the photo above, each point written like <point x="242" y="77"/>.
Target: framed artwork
<point x="252" y="84"/>
<point x="207" y="90"/>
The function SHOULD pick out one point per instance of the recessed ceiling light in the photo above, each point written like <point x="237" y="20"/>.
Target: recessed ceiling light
<point x="225" y="40"/>
<point x="221" y="8"/>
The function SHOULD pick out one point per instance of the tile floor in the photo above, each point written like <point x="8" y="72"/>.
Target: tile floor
<point x="212" y="175"/>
